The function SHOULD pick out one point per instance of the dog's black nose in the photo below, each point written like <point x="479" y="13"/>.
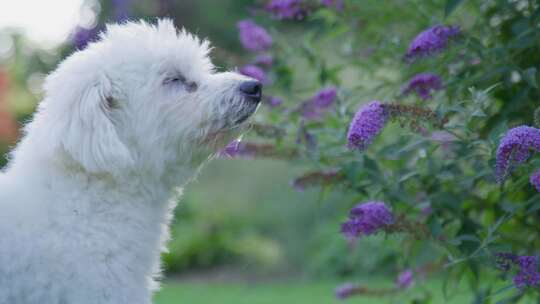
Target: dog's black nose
<point x="252" y="89"/>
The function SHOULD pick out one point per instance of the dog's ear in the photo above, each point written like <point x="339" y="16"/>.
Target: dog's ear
<point x="86" y="132"/>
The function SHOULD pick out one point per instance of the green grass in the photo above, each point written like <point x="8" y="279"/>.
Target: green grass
<point x="283" y="293"/>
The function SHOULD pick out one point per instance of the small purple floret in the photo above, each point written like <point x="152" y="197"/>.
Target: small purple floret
<point x="346" y="290"/>
<point x="366" y="124"/>
<point x="528" y="275"/>
<point x="515" y="148"/>
<point x="405" y="279"/>
<point x="431" y="41"/>
<point x="237" y="149"/>
<point x="424" y="85"/>
<point x="315" y="107"/>
<point x="254" y="71"/>
<point x="253" y="36"/>
<point x="535" y="180"/>
<point x="83" y="36"/>
<point x="367" y="219"/>
<point x="287" y="9"/>
<point x="273" y="101"/>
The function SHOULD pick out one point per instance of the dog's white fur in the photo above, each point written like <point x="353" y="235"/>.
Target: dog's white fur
<point x="86" y="198"/>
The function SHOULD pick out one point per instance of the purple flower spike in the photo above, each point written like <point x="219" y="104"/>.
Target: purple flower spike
<point x="405" y="279"/>
<point x="287" y="9"/>
<point x="515" y="148"/>
<point x="253" y="36"/>
<point x="273" y="101"/>
<point x="345" y="291"/>
<point x="528" y="275"/>
<point x="318" y="104"/>
<point x="254" y="71"/>
<point x="366" y="124"/>
<point x="535" y="180"/>
<point x="424" y="85"/>
<point x="431" y="41"/>
<point x="366" y="219"/>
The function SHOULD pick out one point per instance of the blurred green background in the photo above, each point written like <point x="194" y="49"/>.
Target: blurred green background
<point x="241" y="234"/>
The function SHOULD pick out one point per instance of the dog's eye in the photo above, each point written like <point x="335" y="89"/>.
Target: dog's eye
<point x="175" y="79"/>
<point x="190" y="86"/>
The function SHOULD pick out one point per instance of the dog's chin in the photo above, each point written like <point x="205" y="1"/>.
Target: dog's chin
<point x="232" y="129"/>
<point x="242" y="119"/>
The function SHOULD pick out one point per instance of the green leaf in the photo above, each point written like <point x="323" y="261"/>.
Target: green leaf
<point x="450" y="6"/>
<point x="530" y="76"/>
<point x="478" y="113"/>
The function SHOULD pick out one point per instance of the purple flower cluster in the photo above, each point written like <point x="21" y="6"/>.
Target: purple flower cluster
<point x="230" y="150"/>
<point x="432" y="40"/>
<point x="287" y="9"/>
<point x="366" y="219"/>
<point x="237" y="148"/>
<point x="366" y="124"/>
<point x="253" y="36"/>
<point x="315" y="107"/>
<point x="424" y="85"/>
<point x="527" y="275"/>
<point x="273" y="101"/>
<point x="345" y="291"/>
<point x="405" y="279"/>
<point x="535" y="180"/>
<point x="515" y="148"/>
<point x="254" y="71"/>
<point x="83" y="36"/>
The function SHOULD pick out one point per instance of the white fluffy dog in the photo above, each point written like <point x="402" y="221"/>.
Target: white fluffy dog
<point x="86" y="198"/>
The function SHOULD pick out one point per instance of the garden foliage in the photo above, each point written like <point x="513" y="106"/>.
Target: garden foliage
<point x="424" y="113"/>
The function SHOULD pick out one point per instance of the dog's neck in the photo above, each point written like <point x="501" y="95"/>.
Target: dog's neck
<point x="143" y="200"/>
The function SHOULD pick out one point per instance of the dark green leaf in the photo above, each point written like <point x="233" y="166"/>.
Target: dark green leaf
<point x="450" y="6"/>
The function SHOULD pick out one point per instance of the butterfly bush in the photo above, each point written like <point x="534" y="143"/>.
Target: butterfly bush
<point x="515" y="148"/>
<point x="367" y="123"/>
<point x="254" y="72"/>
<point x="405" y="279"/>
<point x="528" y="275"/>
<point x="253" y="36"/>
<point x="366" y="219"/>
<point x="431" y="41"/>
<point x="315" y="107"/>
<point x="448" y="174"/>
<point x="346" y="290"/>
<point x="287" y="9"/>
<point x="424" y="85"/>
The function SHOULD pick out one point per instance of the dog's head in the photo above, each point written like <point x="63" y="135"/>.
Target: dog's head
<point x="144" y="96"/>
